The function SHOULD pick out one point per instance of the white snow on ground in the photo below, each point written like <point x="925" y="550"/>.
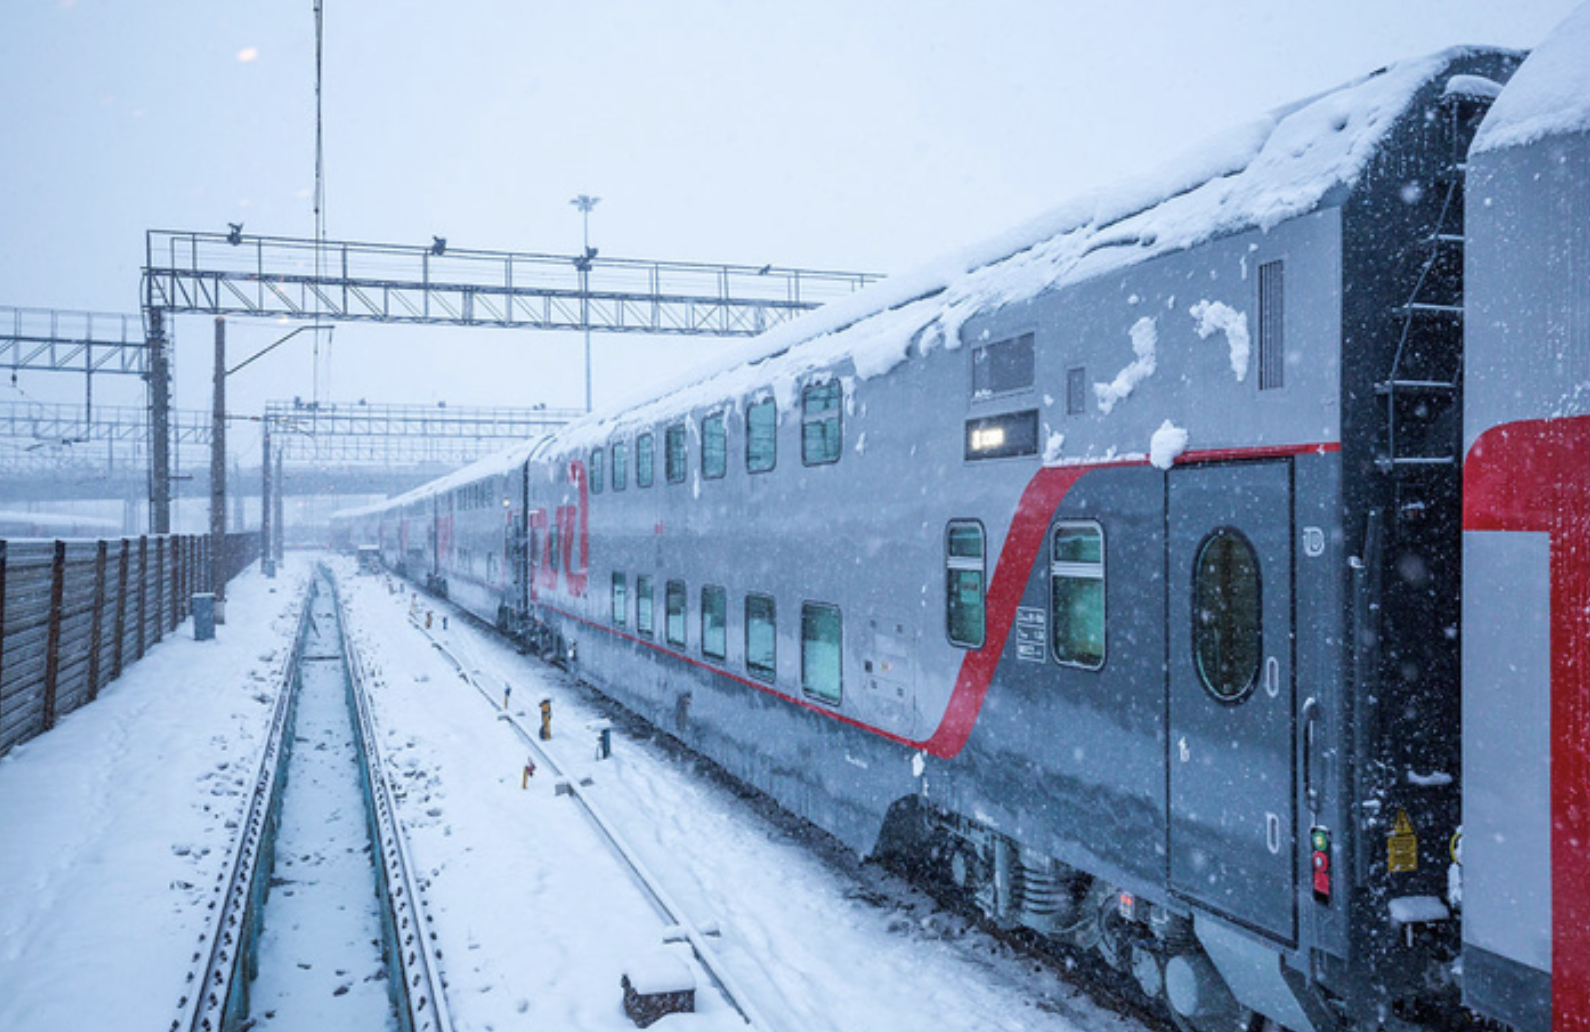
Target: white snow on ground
<point x="320" y="963"/>
<point x="116" y="829"/>
<point x="544" y="924"/>
<point x="1549" y="94"/>
<point x="115" y="823"/>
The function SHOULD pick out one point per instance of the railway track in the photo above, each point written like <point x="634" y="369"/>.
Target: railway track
<point x="216" y="995"/>
<point x="677" y="924"/>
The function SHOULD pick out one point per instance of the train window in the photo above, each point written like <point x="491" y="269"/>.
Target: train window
<point x="595" y="471"/>
<point x="964" y="573"/>
<point x="1226" y="630"/>
<point x="1002" y="367"/>
<point x="620" y="465"/>
<point x="1077" y="391"/>
<point x="761" y="637"/>
<point x="1076" y="594"/>
<point x="821" y="638"/>
<point x="620" y="599"/>
<point x="761" y="435"/>
<point x="643" y="604"/>
<point x="714" y="622"/>
<point x="714" y="447"/>
<point x="554" y="553"/>
<point x="676" y="458"/>
<point x="820" y="429"/>
<point x="1272" y="341"/>
<point x="643" y="450"/>
<point x="674" y="606"/>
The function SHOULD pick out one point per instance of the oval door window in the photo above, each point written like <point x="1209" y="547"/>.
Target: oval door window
<point x="1226" y="632"/>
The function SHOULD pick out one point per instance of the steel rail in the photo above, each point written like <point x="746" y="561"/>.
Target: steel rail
<point x="418" y="955"/>
<point x="212" y="1001"/>
<point x="659" y="897"/>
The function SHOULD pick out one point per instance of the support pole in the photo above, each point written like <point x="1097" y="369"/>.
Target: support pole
<point x="159" y="424"/>
<point x="267" y="555"/>
<point x="277" y="523"/>
<point x="217" y="571"/>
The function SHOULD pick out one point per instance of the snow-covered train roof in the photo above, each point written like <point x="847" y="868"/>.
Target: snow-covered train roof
<point x="1256" y="175"/>
<point x="492" y="465"/>
<point x="1549" y="95"/>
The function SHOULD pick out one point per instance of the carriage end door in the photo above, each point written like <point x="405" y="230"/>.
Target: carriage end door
<point x="1232" y="792"/>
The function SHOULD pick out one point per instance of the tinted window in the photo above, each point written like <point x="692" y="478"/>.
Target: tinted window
<point x="964" y="571"/>
<point x="820" y="651"/>
<point x="678" y="455"/>
<point x="714" y="447"/>
<point x="596" y="471"/>
<point x="1226" y="631"/>
<point x="1002" y="366"/>
<point x="620" y="465"/>
<point x="643" y="605"/>
<point x="620" y="599"/>
<point x="820" y="431"/>
<point x="761" y="638"/>
<point x="643" y="449"/>
<point x="761" y="436"/>
<point x="714" y="622"/>
<point x="1076" y="594"/>
<point x="674" y="604"/>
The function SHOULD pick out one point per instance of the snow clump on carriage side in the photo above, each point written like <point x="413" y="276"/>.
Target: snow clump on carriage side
<point x="1549" y="95"/>
<point x="1256" y="175"/>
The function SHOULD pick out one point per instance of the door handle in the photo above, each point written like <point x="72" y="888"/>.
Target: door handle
<point x="1310" y="720"/>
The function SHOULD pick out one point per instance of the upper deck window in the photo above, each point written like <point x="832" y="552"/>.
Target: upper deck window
<point x="714" y="447"/>
<point x="643" y="460"/>
<point x="761" y="435"/>
<point x="1003" y="366"/>
<point x="596" y="471"/>
<point x="620" y="465"/>
<point x="820" y="429"/>
<point x="677" y="454"/>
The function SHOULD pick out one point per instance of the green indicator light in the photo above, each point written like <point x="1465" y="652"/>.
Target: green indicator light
<point x="1322" y="839"/>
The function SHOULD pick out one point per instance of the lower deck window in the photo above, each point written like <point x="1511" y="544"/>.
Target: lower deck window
<point x="620" y="599"/>
<point x="1076" y="594"/>
<point x="761" y="638"/>
<point x="643" y="605"/>
<point x="963" y="576"/>
<point x="674" y="604"/>
<point x="821" y="639"/>
<point x="714" y="622"/>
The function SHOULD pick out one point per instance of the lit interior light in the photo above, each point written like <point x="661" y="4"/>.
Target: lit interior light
<point x="988" y="437"/>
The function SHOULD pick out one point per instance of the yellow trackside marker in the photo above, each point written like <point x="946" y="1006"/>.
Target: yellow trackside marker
<point x="1402" y="846"/>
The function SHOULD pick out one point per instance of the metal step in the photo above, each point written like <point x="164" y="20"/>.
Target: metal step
<point x="1388" y="465"/>
<point x="1421" y="308"/>
<point x="1416" y="387"/>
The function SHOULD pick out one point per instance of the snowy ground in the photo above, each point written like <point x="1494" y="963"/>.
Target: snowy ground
<point x="115" y="825"/>
<point x="512" y="867"/>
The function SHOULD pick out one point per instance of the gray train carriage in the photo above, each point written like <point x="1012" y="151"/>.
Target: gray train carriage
<point x="1113" y="577"/>
<point x="1526" y="641"/>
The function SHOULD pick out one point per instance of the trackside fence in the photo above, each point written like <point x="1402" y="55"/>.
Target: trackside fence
<point x="74" y="614"/>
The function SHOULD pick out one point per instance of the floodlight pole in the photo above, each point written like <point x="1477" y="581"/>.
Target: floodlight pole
<point x="585" y="202"/>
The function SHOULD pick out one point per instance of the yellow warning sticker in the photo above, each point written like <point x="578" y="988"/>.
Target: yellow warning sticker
<point x="1402" y="846"/>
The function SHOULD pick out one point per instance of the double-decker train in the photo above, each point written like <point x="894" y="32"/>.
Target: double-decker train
<point x="1196" y="575"/>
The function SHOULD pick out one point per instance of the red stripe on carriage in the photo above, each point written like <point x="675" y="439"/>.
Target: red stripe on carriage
<point x="1534" y="475"/>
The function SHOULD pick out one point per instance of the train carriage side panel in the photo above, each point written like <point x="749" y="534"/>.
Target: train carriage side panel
<point x="1526" y="637"/>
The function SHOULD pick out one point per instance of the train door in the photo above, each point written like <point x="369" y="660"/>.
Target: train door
<point x="1232" y="778"/>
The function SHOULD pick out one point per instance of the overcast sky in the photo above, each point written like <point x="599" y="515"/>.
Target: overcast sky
<point x="861" y="135"/>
